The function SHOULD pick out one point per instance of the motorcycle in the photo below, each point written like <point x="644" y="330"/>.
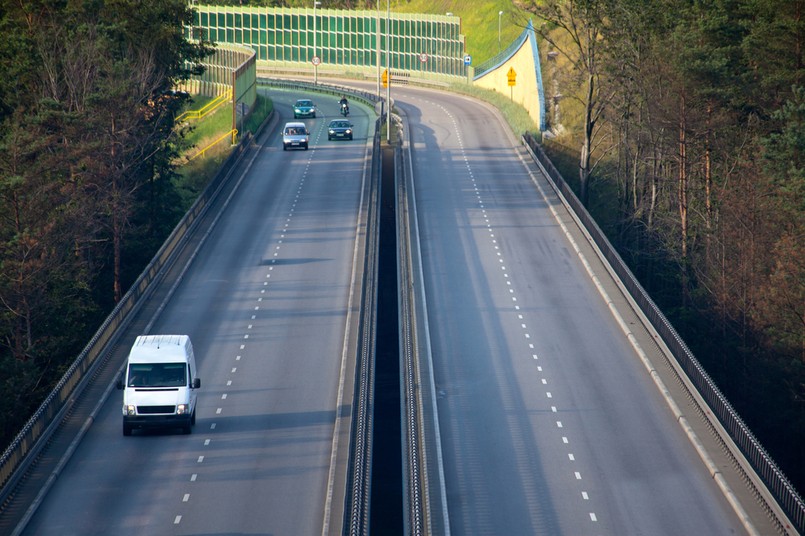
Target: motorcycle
<point x="344" y="109"/>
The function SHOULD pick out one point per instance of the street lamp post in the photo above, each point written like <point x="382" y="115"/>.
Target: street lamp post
<point x="377" y="47"/>
<point x="500" y="14"/>
<point x="315" y="46"/>
<point x="388" y="67"/>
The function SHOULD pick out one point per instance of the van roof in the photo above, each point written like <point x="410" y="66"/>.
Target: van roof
<point x="160" y="348"/>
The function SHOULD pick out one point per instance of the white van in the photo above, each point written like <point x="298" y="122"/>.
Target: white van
<point x="159" y="384"/>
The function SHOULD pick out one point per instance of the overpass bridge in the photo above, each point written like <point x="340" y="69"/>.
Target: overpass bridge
<point x="473" y="181"/>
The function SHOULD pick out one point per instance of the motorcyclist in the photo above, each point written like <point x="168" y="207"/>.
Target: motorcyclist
<point x="344" y="105"/>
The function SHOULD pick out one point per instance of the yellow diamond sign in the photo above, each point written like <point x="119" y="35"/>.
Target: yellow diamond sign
<point x="512" y="76"/>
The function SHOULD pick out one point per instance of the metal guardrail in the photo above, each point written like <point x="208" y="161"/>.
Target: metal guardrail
<point x="774" y="479"/>
<point x="414" y="476"/>
<point x="356" y="517"/>
<point x="427" y="494"/>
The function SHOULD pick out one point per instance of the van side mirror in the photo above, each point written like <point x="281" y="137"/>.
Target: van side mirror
<point x="197" y="383"/>
<point x="119" y="383"/>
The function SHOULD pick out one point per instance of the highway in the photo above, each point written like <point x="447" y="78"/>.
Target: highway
<point x="267" y="303"/>
<point x="549" y="422"/>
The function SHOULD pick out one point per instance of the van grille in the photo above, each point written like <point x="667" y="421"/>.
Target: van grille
<point x="146" y="410"/>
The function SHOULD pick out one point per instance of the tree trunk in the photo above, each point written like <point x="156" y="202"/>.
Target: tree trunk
<point x="584" y="161"/>
<point x="117" y="216"/>
<point x="682" y="193"/>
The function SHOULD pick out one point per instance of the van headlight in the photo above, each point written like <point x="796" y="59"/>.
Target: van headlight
<point x="129" y="410"/>
<point x="181" y="409"/>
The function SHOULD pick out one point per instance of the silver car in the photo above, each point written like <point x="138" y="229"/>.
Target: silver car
<point x="295" y="135"/>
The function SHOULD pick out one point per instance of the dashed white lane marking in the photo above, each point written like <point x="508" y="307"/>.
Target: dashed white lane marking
<point x="277" y="247"/>
<point x="504" y="271"/>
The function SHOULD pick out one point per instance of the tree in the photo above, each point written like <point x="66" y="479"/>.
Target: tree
<point x="583" y="22"/>
<point x="87" y="120"/>
<point x="781" y="311"/>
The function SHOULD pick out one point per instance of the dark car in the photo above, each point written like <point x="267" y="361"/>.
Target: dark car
<point x="304" y="108"/>
<point x="339" y="129"/>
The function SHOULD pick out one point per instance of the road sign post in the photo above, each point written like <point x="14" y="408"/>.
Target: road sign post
<point x="512" y="76"/>
<point x="467" y="63"/>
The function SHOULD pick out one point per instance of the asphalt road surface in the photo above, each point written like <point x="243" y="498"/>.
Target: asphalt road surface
<point x="549" y="422"/>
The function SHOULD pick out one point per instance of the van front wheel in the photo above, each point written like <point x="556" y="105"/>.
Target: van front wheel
<point x="126" y="429"/>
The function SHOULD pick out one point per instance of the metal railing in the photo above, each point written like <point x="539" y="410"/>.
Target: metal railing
<point x="233" y="133"/>
<point x="760" y="460"/>
<point x="356" y="514"/>
<point x="207" y="109"/>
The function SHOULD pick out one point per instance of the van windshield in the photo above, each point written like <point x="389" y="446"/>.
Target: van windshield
<point x="157" y="375"/>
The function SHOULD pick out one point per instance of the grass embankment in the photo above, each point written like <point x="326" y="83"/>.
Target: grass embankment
<point x="198" y="169"/>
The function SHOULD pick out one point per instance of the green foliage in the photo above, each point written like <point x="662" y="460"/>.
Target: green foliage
<point x="783" y="310"/>
<point x="86" y="173"/>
